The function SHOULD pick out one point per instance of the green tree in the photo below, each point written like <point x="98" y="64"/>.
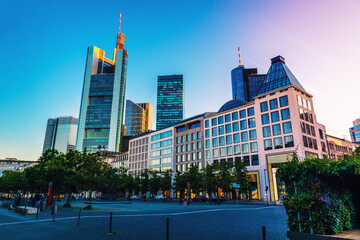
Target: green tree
<point x="13" y="182"/>
<point x="180" y="183"/>
<point x="210" y="179"/>
<point x="154" y="182"/>
<point x="224" y="177"/>
<point x="165" y="181"/>
<point x="145" y="182"/>
<point x="240" y="176"/>
<point x="194" y="177"/>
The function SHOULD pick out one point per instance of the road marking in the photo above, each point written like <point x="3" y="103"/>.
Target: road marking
<point x="136" y="215"/>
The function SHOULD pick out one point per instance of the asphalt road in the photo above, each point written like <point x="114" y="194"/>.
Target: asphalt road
<point x="147" y="220"/>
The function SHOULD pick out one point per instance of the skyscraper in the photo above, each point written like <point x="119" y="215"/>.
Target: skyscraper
<point x="170" y="101"/>
<point x="355" y="131"/>
<point x="138" y="117"/>
<point x="60" y="134"/>
<point x="103" y="95"/>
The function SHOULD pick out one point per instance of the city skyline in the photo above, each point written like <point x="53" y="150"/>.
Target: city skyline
<point x="321" y="56"/>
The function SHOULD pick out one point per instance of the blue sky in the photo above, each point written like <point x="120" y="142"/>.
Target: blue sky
<point x="44" y="47"/>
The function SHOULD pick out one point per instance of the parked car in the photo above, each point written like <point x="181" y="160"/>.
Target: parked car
<point x="199" y="198"/>
<point x="160" y="197"/>
<point x="135" y="197"/>
<point x="215" y="199"/>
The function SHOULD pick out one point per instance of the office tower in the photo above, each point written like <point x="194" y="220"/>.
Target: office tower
<point x="355" y="131"/>
<point x="102" y="102"/>
<point x="138" y="117"/>
<point x="245" y="82"/>
<point x="60" y="134"/>
<point x="170" y="101"/>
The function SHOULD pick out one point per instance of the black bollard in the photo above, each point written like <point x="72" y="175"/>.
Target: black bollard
<point x="78" y="222"/>
<point x="53" y="213"/>
<point x="167" y="228"/>
<point x="263" y="232"/>
<point x="110" y="223"/>
<point x="37" y="213"/>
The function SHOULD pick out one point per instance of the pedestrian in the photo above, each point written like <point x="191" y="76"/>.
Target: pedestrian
<point x="185" y="201"/>
<point x="180" y="201"/>
<point x="188" y="200"/>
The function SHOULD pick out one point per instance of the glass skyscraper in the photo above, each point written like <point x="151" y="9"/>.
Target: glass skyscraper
<point x="138" y="117"/>
<point x="355" y="131"/>
<point x="103" y="95"/>
<point x="60" y="134"/>
<point x="170" y="101"/>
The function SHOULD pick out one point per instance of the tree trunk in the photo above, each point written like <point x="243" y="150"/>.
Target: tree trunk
<point x="67" y="204"/>
<point x="217" y="195"/>
<point x="90" y="198"/>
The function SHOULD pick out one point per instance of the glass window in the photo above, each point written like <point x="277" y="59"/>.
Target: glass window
<point x="187" y="147"/>
<point x="289" y="141"/>
<point x="235" y="116"/>
<point x="236" y="137"/>
<point x="311" y="118"/>
<point x="206" y="123"/>
<point x="207" y="143"/>
<point x="182" y="139"/>
<point x="287" y="127"/>
<point x="193" y="146"/>
<point x="251" y="122"/>
<point x="207" y="133"/>
<point x="278" y="143"/>
<point x="235" y="126"/>
<point x="243" y="125"/>
<point x="182" y="148"/>
<point x="215" y="153"/>
<point x="299" y="100"/>
<point x="265" y="118"/>
<point x="245" y="148"/>
<point x="266" y="132"/>
<point x="228" y="139"/>
<point x="220" y="119"/>
<point x="309" y="105"/>
<point x="244" y="136"/>
<point x="276" y="129"/>
<point x="255" y="160"/>
<point x="214" y="142"/>
<point x="250" y="112"/>
<point x="237" y="149"/>
<point x="227" y="118"/>
<point x="221" y="129"/>
<point x="273" y="104"/>
<point x="193" y="136"/>
<point x="188" y="157"/>
<point x="207" y="154"/>
<point x="301" y="112"/>
<point x="267" y="144"/>
<point x="198" y="155"/>
<point x="188" y="137"/>
<point x="213" y="122"/>
<point x="253" y="147"/>
<point x="284" y="101"/>
<point x="242" y="114"/>
<point x="198" y="135"/>
<point x="252" y="134"/>
<point x="214" y="131"/>
<point x="304" y="103"/>
<point x="246" y="160"/>
<point x="229" y="151"/>
<point x="275" y="116"/>
<point x="285" y="114"/>
<point x="228" y="128"/>
<point x="198" y="145"/>
<point x="222" y="152"/>
<point x="221" y="141"/>
<point x="264" y="106"/>
<point x="178" y="140"/>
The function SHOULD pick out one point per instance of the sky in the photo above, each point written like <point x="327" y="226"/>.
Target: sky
<point x="44" y="44"/>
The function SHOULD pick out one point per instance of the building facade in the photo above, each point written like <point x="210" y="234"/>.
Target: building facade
<point x="138" y="117"/>
<point x="339" y="146"/>
<point x="13" y="164"/>
<point x="102" y="101"/>
<point x="170" y="101"/>
<point x="61" y="134"/>
<point x="138" y="154"/>
<point x="355" y="131"/>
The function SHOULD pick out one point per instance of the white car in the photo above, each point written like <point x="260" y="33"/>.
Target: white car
<point x="160" y="197"/>
<point x="135" y="197"/>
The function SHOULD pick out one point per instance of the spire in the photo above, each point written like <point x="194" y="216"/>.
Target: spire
<point x="120" y="37"/>
<point x="119" y="23"/>
<point x="239" y="56"/>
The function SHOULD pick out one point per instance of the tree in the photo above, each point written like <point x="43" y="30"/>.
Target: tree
<point x="122" y="181"/>
<point x="155" y="182"/>
<point x="194" y="177"/>
<point x="180" y="183"/>
<point x="240" y="175"/>
<point x="145" y="181"/>
<point x="209" y="179"/>
<point x="13" y="182"/>
<point x="165" y="181"/>
<point x="224" y="176"/>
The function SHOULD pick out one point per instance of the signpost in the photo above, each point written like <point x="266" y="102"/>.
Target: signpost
<point x="236" y="186"/>
<point x="49" y="194"/>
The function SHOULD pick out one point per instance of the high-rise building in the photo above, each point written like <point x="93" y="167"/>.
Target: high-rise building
<point x="138" y="117"/>
<point x="170" y="101"/>
<point x="355" y="131"/>
<point x="60" y="134"/>
<point x="103" y="95"/>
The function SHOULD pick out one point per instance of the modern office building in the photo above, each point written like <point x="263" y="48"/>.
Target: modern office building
<point x="103" y="95"/>
<point x="13" y="164"/>
<point x="340" y="146"/>
<point x="61" y="134"/>
<point x="138" y="117"/>
<point x="170" y="101"/>
<point x="355" y="131"/>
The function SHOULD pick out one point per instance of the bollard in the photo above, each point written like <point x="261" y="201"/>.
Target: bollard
<point x="110" y="222"/>
<point x="53" y="211"/>
<point x="37" y="213"/>
<point x="167" y="228"/>
<point x="263" y="232"/>
<point x="78" y="222"/>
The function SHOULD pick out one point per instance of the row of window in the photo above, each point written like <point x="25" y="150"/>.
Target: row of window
<point x="274" y="103"/>
<point x="307" y="129"/>
<point x="275" y="116"/>
<point x="139" y="157"/>
<point x="307" y="116"/>
<point x="245" y="159"/>
<point x="310" y="142"/>
<point x="229" y="139"/>
<point x="161" y="135"/>
<point x="185" y="167"/>
<point x="161" y="152"/>
<point x="139" y="150"/>
<point x="231" y="117"/>
<point x="278" y="143"/>
<point x="276" y="129"/>
<point x="194" y="136"/>
<point x="139" y="142"/>
<point x="160" y="161"/>
<point x="161" y="144"/>
<point x="193" y="145"/>
<point x="232" y="150"/>
<point x="161" y="169"/>
<point x="189" y="157"/>
<point x="304" y="103"/>
<point x="228" y="128"/>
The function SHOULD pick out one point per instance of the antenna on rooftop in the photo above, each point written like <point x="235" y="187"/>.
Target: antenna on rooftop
<point x="239" y="56"/>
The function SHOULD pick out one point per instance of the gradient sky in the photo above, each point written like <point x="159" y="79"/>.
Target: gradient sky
<point x="44" y="44"/>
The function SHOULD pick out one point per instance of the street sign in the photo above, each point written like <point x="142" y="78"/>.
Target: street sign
<point x="235" y="185"/>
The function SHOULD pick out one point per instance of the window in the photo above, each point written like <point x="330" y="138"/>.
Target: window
<point x="222" y="152"/>
<point x="227" y="118"/>
<point x="244" y="136"/>
<point x="264" y="106"/>
<point x="198" y="135"/>
<point x="236" y="137"/>
<point x="221" y="141"/>
<point x="303" y="129"/>
<point x="273" y="104"/>
<point x="265" y="118"/>
<point x="228" y="139"/>
<point x="187" y="147"/>
<point x="284" y="101"/>
<point x="243" y="125"/>
<point x="193" y="146"/>
<point x="287" y="127"/>
<point x="285" y="114"/>
<point x="245" y="148"/>
<point x="266" y="132"/>
<point x="214" y="142"/>
<point x="321" y="133"/>
<point x="246" y="160"/>
<point x="193" y="156"/>
<point x="235" y="126"/>
<point x="253" y="147"/>
<point x="252" y="134"/>
<point x="276" y="129"/>
<point x="255" y="160"/>
<point x="251" y="122"/>
<point x="214" y="131"/>
<point x="178" y="140"/>
<point x="207" y="143"/>
<point x="275" y="116"/>
<point x="182" y="148"/>
<point x="228" y="128"/>
<point x="309" y="105"/>
<point x="207" y="154"/>
<point x="237" y="149"/>
<point x="301" y="113"/>
<point x="221" y="130"/>
<point x="188" y="137"/>
<point x="304" y="102"/>
<point x="198" y="145"/>
<point x="188" y="157"/>
<point x="242" y="114"/>
<point x="213" y="122"/>
<point x="311" y="118"/>
<point x="206" y="123"/>
<point x="289" y="141"/>
<point x="192" y="136"/>
<point x="235" y="116"/>
<point x="198" y="155"/>
<point x="220" y="119"/>
<point x="229" y="151"/>
<point x="215" y="153"/>
<point x="312" y="131"/>
<point x="278" y="143"/>
<point x="305" y="141"/>
<point x="267" y="144"/>
<point x="207" y="133"/>
<point x="299" y="100"/>
<point x="250" y="112"/>
<point x="182" y="139"/>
